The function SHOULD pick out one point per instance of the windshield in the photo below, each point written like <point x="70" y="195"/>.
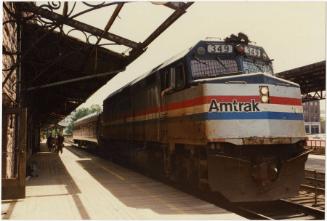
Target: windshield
<point x="256" y="66"/>
<point x="203" y="68"/>
<point x="211" y="59"/>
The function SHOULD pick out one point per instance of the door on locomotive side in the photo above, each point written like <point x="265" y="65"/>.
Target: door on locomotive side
<point x="173" y="80"/>
<point x="165" y="76"/>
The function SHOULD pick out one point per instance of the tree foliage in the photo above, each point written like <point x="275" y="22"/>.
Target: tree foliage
<point x="79" y="113"/>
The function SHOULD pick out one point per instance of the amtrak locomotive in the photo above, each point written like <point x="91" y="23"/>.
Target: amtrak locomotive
<point x="214" y="118"/>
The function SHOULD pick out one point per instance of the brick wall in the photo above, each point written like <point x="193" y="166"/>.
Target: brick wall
<point x="9" y="94"/>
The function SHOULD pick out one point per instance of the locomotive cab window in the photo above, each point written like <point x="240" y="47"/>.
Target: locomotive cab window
<point x="165" y="79"/>
<point x="179" y="77"/>
<point x="173" y="79"/>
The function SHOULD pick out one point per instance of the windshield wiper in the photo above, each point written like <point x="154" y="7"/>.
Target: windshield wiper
<point x="258" y="66"/>
<point x="221" y="63"/>
<point x="198" y="60"/>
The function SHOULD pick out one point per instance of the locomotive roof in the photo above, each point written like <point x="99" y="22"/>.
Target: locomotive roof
<point x="166" y="63"/>
<point x="160" y="66"/>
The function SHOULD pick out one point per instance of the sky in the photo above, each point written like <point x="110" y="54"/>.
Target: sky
<point x="292" y="33"/>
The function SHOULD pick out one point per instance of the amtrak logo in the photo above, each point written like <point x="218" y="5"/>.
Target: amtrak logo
<point x="234" y="106"/>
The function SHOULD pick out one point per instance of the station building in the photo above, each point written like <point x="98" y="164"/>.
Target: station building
<point x="311" y="112"/>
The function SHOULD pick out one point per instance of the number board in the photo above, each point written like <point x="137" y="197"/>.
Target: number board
<point x="220" y="48"/>
<point x="252" y="51"/>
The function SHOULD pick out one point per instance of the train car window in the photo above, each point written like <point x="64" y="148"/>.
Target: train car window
<point x="165" y="80"/>
<point x="180" y="77"/>
<point x="172" y="78"/>
<point x="307" y="129"/>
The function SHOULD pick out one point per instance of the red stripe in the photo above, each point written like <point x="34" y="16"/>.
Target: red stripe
<point x="207" y="99"/>
<point x="285" y="101"/>
<point x="186" y="103"/>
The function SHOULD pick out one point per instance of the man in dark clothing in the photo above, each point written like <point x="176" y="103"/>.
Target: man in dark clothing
<point x="49" y="142"/>
<point x="60" y="144"/>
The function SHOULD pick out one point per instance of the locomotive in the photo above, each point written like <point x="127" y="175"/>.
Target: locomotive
<point x="215" y="118"/>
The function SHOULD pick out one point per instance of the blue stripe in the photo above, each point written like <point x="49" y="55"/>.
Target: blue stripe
<point x="248" y="116"/>
<point x="226" y="116"/>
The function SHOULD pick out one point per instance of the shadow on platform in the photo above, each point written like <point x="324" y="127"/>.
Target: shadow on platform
<point x="50" y="172"/>
<point x="140" y="192"/>
<point x="79" y="185"/>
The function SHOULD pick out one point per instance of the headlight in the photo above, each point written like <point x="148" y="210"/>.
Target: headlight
<point x="264" y="94"/>
<point x="264" y="99"/>
<point x="264" y="90"/>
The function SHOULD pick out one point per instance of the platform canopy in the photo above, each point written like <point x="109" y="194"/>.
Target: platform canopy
<point x="64" y="60"/>
<point x="311" y="79"/>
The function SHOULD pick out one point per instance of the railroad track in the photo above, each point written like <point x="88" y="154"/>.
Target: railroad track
<point x="308" y="204"/>
<point x="280" y="209"/>
<point x="314" y="182"/>
<point x="312" y="191"/>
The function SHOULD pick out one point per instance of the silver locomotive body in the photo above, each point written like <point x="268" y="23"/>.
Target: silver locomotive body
<point x="219" y="133"/>
<point x="204" y="120"/>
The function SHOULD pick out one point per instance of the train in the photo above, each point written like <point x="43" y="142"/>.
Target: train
<point x="214" y="118"/>
<point x="85" y="131"/>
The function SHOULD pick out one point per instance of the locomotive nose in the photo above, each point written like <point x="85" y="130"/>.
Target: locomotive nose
<point x="264" y="173"/>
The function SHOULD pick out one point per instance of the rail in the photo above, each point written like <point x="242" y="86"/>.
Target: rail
<point x="308" y="204"/>
<point x="280" y="209"/>
<point x="317" y="146"/>
<point x="312" y="191"/>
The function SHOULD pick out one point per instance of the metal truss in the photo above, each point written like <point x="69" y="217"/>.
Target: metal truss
<point x="317" y="95"/>
<point x="48" y="17"/>
<point x="311" y="79"/>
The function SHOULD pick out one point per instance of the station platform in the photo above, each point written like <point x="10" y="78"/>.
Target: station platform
<point x="78" y="185"/>
<point x="316" y="162"/>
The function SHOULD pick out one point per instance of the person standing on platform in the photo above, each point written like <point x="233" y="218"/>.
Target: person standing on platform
<point x="60" y="144"/>
<point x="49" y="142"/>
